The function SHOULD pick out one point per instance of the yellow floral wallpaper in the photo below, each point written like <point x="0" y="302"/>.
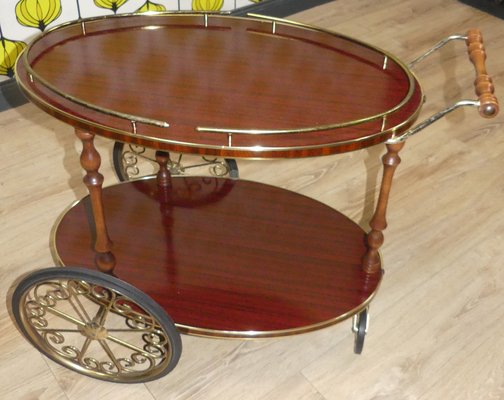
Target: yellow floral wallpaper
<point x="212" y="5"/>
<point x="37" y="13"/>
<point x="21" y="20"/>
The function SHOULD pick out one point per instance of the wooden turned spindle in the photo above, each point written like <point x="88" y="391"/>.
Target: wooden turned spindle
<point x="90" y="160"/>
<point x="163" y="175"/>
<point x="371" y="262"/>
<point x="483" y="84"/>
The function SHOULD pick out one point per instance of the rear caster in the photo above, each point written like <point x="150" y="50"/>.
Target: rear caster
<point x="96" y="325"/>
<point x="360" y="328"/>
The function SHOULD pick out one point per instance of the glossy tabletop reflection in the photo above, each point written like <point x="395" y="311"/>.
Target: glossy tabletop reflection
<point x="238" y="87"/>
<point x="229" y="258"/>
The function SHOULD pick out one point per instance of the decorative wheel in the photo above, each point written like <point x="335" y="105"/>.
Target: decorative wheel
<point x="97" y="325"/>
<point x="132" y="161"/>
<point x="360" y="328"/>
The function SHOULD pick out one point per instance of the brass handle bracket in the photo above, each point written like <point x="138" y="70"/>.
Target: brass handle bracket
<point x="487" y="103"/>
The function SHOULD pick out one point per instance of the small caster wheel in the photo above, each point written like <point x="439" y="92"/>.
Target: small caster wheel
<point x="360" y="328"/>
<point x="97" y="325"/>
<point x="232" y="166"/>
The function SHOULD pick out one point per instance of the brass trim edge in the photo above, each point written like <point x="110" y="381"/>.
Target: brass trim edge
<point x="133" y="118"/>
<point x="387" y="55"/>
<point x="254" y="148"/>
<point x="224" y="334"/>
<point x="33" y="76"/>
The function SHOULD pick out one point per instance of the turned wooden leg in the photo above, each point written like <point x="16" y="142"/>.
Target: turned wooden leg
<point x="90" y="160"/>
<point x="371" y="262"/>
<point x="165" y="201"/>
<point x="163" y="175"/>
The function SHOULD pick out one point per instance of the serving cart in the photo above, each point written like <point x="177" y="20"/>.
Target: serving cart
<point x="206" y="255"/>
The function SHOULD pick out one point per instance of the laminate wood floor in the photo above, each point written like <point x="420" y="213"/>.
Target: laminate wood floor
<point x="437" y="323"/>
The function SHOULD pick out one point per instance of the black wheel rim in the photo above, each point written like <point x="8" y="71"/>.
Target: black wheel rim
<point x="96" y="325"/>
<point x="360" y="331"/>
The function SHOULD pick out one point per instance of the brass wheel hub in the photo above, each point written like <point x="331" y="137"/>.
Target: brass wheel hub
<point x="94" y="331"/>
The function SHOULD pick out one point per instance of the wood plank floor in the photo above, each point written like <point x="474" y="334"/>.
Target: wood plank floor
<point x="437" y="322"/>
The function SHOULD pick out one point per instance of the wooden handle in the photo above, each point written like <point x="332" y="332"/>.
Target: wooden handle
<point x="489" y="106"/>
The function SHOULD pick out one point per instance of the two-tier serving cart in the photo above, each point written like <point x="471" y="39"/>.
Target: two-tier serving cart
<point x="222" y="257"/>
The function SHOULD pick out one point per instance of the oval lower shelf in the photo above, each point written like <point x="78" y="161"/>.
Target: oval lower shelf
<point x="228" y="258"/>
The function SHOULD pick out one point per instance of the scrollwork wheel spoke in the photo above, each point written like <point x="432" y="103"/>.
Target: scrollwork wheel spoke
<point x="67" y="313"/>
<point x="199" y="165"/>
<point x="102" y="313"/>
<point x="111" y="355"/>
<point x="84" y="349"/>
<point x="147" y="158"/>
<point x="66" y="317"/>
<point x="78" y="308"/>
<point x="126" y="344"/>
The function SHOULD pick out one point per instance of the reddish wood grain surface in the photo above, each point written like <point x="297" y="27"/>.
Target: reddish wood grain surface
<point x="234" y="74"/>
<point x="226" y="255"/>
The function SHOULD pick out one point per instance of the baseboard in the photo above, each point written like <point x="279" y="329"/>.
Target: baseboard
<point x="10" y="95"/>
<point x="493" y="7"/>
<point x="279" y="8"/>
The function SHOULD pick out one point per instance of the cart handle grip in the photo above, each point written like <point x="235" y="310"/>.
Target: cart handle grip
<point x="487" y="103"/>
<point x="483" y="84"/>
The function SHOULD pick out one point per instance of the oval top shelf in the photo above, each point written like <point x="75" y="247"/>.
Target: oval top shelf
<point x="222" y="85"/>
